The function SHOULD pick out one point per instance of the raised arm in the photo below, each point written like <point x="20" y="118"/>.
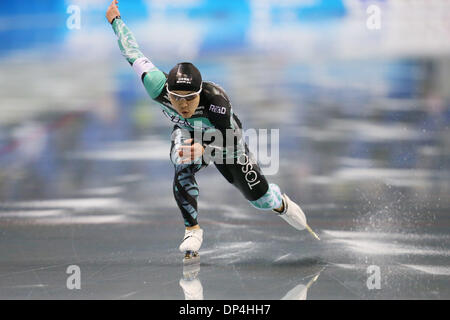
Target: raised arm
<point x="152" y="78"/>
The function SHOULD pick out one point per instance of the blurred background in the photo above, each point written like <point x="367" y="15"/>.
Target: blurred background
<point x="359" y="89"/>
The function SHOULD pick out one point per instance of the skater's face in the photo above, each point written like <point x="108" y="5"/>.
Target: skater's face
<point x="185" y="106"/>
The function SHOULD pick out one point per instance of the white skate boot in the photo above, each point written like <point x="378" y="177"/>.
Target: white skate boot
<point x="191" y="244"/>
<point x="293" y="215"/>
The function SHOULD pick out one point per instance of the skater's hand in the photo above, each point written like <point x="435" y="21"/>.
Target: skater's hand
<point x="113" y="11"/>
<point x="190" y="152"/>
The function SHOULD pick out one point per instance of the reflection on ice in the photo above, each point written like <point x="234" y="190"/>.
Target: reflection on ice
<point x="193" y="289"/>
<point x="300" y="291"/>
<point x="190" y="282"/>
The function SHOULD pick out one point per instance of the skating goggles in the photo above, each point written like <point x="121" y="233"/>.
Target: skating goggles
<point x="188" y="97"/>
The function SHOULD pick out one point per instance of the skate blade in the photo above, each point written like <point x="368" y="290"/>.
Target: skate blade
<point x="312" y="232"/>
<point x="191" y="257"/>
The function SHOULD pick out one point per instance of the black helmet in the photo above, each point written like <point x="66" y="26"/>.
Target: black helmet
<point x="184" y="77"/>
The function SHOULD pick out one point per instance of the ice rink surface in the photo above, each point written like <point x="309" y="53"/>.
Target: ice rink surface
<point x="127" y="250"/>
<point x="86" y="180"/>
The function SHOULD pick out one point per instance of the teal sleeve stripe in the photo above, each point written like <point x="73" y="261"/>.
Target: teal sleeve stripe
<point x="154" y="82"/>
<point x="127" y="43"/>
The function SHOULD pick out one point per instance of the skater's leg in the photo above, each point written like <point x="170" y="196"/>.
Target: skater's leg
<point x="186" y="191"/>
<point x="246" y="175"/>
<point x="185" y="187"/>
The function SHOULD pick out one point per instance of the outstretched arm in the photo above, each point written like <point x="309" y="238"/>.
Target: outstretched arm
<point x="127" y="43"/>
<point x="152" y="78"/>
